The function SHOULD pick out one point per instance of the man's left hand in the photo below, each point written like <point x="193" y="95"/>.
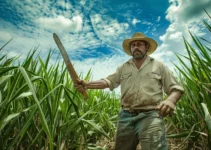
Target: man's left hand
<point x="165" y="108"/>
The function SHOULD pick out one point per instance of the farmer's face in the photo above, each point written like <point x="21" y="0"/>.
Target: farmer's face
<point x="138" y="49"/>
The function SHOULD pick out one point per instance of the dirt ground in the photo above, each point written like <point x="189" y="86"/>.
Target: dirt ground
<point x="109" y="144"/>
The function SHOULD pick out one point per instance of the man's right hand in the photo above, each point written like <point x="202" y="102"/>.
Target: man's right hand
<point x="81" y="85"/>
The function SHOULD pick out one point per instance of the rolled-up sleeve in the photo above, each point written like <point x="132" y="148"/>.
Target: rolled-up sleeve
<point x="169" y="82"/>
<point x="113" y="80"/>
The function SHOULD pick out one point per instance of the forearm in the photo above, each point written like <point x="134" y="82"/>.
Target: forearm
<point x="174" y="96"/>
<point x="99" y="84"/>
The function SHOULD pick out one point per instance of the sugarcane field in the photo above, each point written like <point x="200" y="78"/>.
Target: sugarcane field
<point x="58" y="93"/>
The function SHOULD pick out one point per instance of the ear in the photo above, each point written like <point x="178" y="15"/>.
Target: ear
<point x="147" y="47"/>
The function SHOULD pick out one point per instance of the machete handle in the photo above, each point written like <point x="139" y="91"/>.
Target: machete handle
<point x="83" y="93"/>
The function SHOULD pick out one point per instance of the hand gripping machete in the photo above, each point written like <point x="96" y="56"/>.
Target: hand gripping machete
<point x="68" y="63"/>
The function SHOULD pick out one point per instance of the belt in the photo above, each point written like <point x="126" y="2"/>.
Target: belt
<point x="136" y="111"/>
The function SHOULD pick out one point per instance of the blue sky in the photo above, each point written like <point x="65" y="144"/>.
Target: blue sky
<point x="92" y="31"/>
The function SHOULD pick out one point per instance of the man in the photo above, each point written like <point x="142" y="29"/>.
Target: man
<point x="142" y="80"/>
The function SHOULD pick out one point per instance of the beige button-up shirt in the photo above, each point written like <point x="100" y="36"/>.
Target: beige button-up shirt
<point x="143" y="88"/>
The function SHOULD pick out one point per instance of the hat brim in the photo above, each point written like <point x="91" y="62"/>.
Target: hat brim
<point x="152" y="45"/>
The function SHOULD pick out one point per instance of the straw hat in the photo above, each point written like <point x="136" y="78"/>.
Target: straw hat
<point x="139" y="36"/>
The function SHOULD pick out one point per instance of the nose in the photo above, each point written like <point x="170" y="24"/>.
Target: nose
<point x="136" y="47"/>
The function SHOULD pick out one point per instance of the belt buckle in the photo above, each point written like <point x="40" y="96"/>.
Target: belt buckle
<point x="132" y="111"/>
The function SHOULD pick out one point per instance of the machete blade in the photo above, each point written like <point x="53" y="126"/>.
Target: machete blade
<point x="68" y="63"/>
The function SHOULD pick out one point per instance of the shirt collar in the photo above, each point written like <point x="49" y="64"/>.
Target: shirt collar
<point x="148" y="59"/>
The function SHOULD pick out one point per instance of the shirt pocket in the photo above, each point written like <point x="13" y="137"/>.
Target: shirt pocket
<point x="125" y="76"/>
<point x="155" y="80"/>
<point x="154" y="75"/>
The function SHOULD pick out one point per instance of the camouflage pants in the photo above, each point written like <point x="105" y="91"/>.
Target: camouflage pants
<point x="145" y="128"/>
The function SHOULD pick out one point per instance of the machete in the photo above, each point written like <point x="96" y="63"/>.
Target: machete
<point x="68" y="63"/>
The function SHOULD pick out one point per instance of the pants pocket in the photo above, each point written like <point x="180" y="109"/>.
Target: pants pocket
<point x="154" y="141"/>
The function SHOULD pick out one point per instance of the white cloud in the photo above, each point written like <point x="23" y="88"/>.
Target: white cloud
<point x="187" y="11"/>
<point x="101" y="67"/>
<point x="76" y="31"/>
<point x="135" y="21"/>
<point x="182" y="20"/>
<point x="61" y="24"/>
<point x="7" y="36"/>
<point x="106" y="28"/>
<point x="158" y="19"/>
<point x="147" y="23"/>
<point x="154" y="29"/>
<point x="177" y="36"/>
<point x="30" y="37"/>
<point x="197" y="28"/>
<point x="81" y="2"/>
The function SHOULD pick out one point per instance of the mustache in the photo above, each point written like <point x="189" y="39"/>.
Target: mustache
<point x="137" y="50"/>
